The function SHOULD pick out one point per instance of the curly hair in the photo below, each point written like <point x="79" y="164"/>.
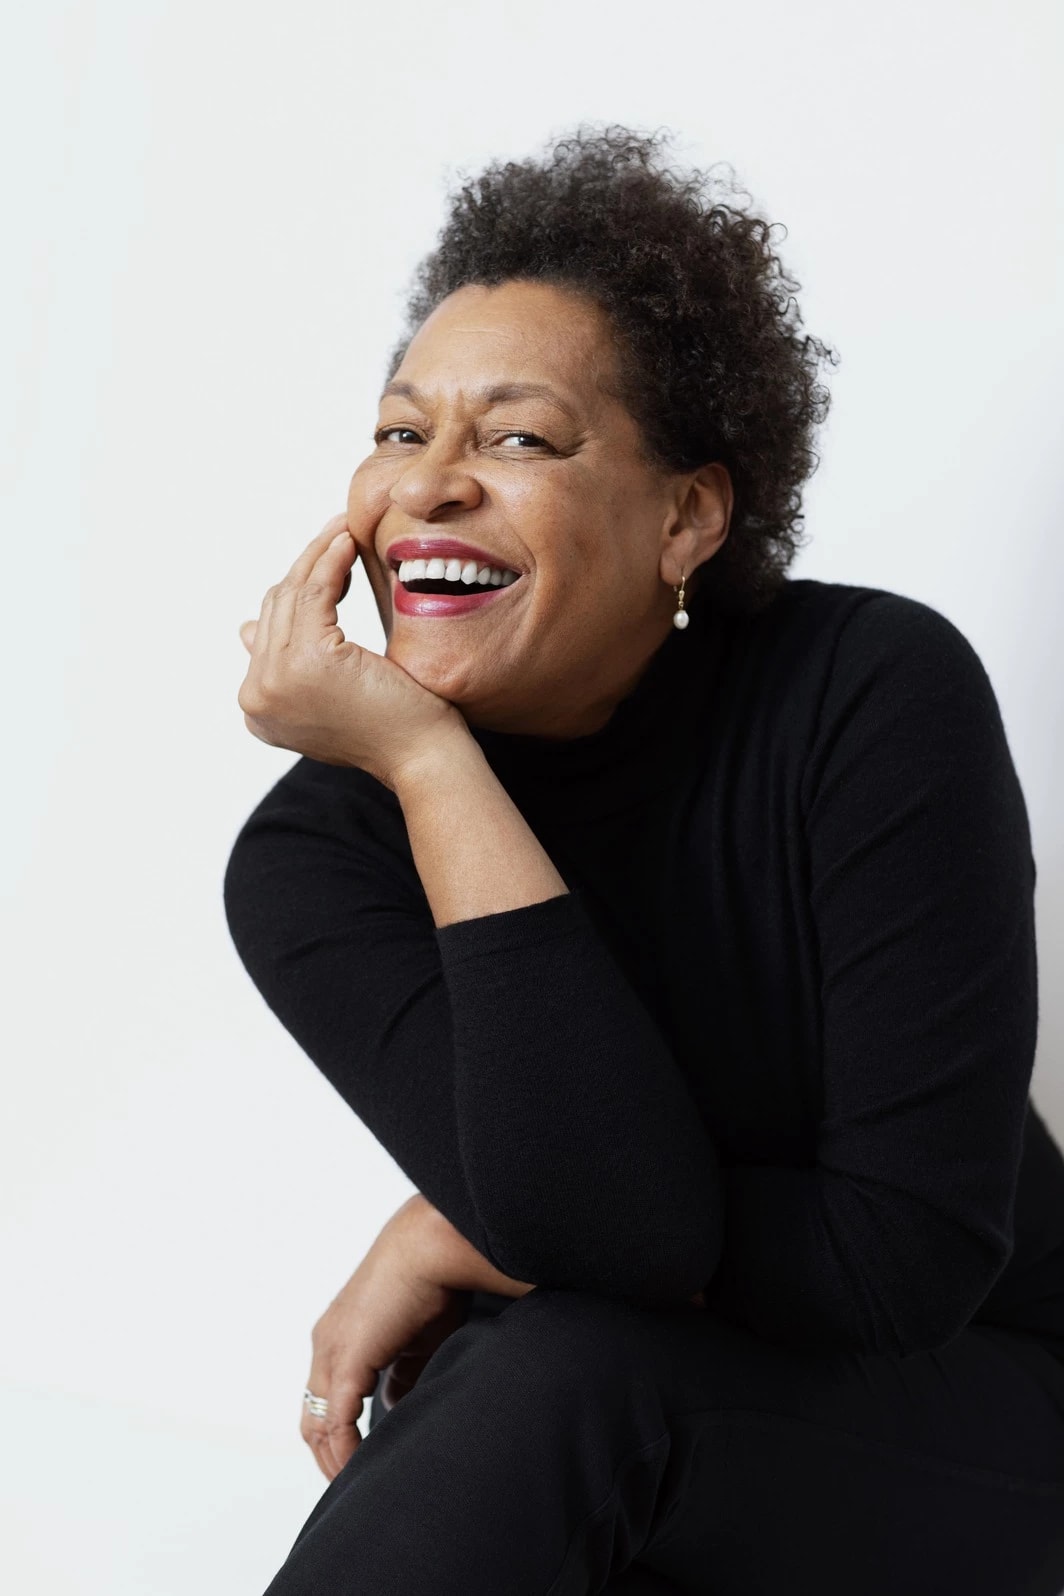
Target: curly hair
<point x="713" y="365"/>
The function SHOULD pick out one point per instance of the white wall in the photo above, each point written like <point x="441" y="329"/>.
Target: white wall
<point x="214" y="209"/>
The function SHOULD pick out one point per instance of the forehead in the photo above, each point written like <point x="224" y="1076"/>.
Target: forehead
<point x="518" y="331"/>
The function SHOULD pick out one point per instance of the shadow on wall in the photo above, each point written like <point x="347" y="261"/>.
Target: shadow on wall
<point x="1047" y="1085"/>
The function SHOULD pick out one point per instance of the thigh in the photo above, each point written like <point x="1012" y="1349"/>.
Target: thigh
<point x="848" y="1472"/>
<point x="828" y="1473"/>
<point x="808" y="1509"/>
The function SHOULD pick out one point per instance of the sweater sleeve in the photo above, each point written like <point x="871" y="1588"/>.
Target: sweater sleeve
<point x="328" y="920"/>
<point x="586" y="1153"/>
<point x="504" y="1062"/>
<point x="921" y="883"/>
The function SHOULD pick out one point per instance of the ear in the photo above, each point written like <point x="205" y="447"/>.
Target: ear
<point x="700" y="525"/>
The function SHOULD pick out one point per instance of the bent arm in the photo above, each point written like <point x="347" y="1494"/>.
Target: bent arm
<point x="502" y="1060"/>
<point x="583" y="1148"/>
<point x="921" y="884"/>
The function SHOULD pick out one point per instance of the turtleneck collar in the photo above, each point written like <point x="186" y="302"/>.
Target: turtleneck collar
<point x="639" y="751"/>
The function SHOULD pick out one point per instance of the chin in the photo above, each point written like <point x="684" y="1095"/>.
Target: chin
<point x="425" y="665"/>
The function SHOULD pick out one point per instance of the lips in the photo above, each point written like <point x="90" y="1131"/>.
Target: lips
<point x="442" y="605"/>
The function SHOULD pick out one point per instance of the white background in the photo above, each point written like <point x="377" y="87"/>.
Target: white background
<point x="211" y="213"/>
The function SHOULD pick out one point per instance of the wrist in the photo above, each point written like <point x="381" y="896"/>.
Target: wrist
<point x="440" y="751"/>
<point x="446" y="1258"/>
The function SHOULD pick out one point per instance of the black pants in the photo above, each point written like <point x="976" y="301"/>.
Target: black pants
<point x="563" y="1443"/>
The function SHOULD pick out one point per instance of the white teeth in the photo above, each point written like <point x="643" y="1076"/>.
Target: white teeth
<point x="455" y="570"/>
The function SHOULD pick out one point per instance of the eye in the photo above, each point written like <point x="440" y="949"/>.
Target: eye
<point x="387" y="434"/>
<point x="383" y="432"/>
<point x="530" y="437"/>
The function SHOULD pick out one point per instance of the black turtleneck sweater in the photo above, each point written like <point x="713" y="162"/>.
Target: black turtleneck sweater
<point x="777" y="1038"/>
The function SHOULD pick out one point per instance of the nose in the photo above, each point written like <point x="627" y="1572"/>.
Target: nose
<point x="437" y="479"/>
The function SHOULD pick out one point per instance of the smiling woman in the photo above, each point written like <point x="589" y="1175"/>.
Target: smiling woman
<point x="503" y="418"/>
<point x="689" y="974"/>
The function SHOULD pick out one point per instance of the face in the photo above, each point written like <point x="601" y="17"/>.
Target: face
<point x="499" y="432"/>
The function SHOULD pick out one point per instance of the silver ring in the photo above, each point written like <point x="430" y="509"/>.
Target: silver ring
<point x="316" y="1406"/>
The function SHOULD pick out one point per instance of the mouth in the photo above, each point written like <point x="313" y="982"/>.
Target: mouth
<point x="455" y="585"/>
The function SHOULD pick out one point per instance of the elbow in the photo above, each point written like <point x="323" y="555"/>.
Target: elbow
<point x="680" y="1267"/>
<point x="651" y="1246"/>
<point x="933" y="1319"/>
<point x="951" y="1298"/>
<point x="921" y="1333"/>
<point x="929" y="1319"/>
<point x="663" y="1270"/>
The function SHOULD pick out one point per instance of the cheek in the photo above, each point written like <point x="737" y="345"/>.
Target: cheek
<point x="367" y="500"/>
<point x="564" y="531"/>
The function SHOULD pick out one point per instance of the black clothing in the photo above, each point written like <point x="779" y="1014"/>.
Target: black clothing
<point x="576" y="1443"/>
<point x="777" y="1038"/>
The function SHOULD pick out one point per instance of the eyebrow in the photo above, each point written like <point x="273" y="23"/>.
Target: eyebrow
<point x="497" y="393"/>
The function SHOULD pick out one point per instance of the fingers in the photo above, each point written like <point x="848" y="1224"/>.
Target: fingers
<point x="298" y="574"/>
<point x="342" y="1437"/>
<point x="301" y="568"/>
<point x="298" y="612"/>
<point x="334" y="1437"/>
<point x="314" y="1430"/>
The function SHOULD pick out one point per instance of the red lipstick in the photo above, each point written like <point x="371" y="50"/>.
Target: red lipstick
<point x="443" y="605"/>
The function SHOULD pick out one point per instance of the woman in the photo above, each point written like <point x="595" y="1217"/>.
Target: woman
<point x="688" y="971"/>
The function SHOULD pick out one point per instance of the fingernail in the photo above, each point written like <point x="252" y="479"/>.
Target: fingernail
<point x="340" y="537"/>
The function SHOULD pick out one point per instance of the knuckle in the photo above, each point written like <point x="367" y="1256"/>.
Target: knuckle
<point x="269" y="684"/>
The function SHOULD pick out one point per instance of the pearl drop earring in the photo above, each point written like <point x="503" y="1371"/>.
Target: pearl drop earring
<point x="681" y="618"/>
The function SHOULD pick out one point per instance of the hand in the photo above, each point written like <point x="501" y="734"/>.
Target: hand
<point x="390" y="1311"/>
<point x="309" y="689"/>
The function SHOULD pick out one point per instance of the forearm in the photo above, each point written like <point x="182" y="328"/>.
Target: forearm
<point x="502" y="1060"/>
<point x="586" y="1159"/>
<point x="474" y="851"/>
